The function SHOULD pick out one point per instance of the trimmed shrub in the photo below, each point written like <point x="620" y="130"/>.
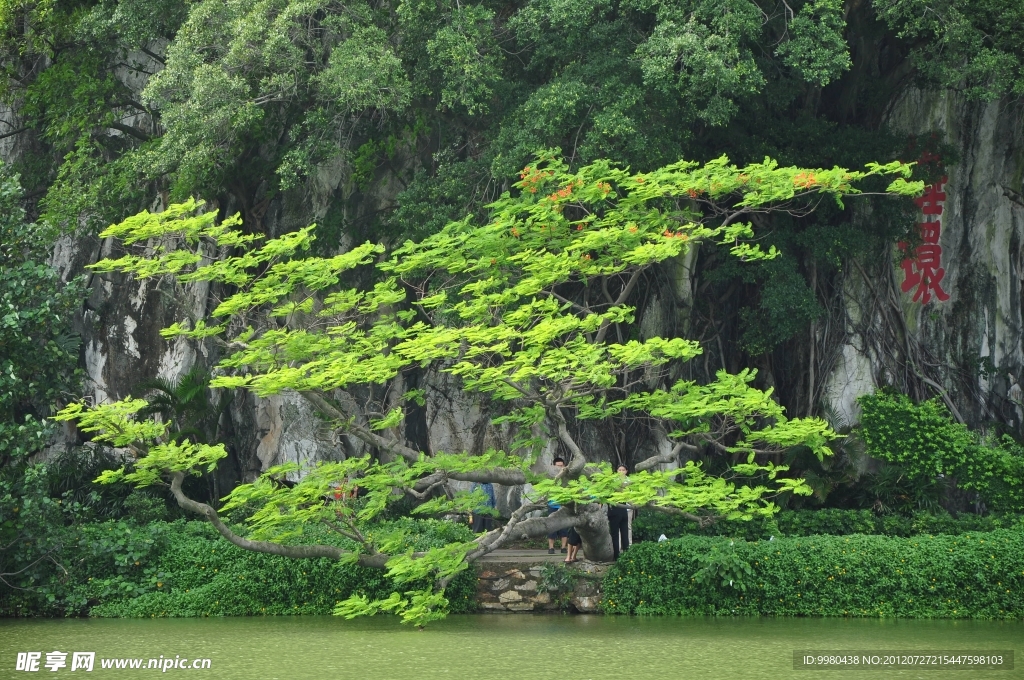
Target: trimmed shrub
<point x="650" y="524"/>
<point x="969" y="576"/>
<point x="184" y="568"/>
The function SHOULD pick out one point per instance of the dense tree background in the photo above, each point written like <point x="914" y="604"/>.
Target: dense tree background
<point x="422" y="112"/>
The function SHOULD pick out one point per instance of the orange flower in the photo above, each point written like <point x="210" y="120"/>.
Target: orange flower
<point x="804" y="179"/>
<point x="632" y="230"/>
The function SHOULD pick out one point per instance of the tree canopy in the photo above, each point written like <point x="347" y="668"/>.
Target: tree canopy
<point x="525" y="310"/>
<point x="385" y="122"/>
<point x="38" y="351"/>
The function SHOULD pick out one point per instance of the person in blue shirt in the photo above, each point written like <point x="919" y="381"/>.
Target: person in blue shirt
<point x="482" y="516"/>
<point x="561" y="533"/>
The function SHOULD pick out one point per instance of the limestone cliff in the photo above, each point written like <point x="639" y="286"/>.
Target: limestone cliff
<point x="961" y="347"/>
<point x="964" y="343"/>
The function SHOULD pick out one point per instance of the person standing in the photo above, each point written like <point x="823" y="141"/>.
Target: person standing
<point x="575" y="541"/>
<point x="1016" y="398"/>
<point x="552" y="508"/>
<point x="618" y="522"/>
<point x="482" y="516"/>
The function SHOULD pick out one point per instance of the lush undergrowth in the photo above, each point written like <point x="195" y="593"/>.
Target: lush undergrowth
<point x="650" y="525"/>
<point x="977" y="575"/>
<point x="123" y="569"/>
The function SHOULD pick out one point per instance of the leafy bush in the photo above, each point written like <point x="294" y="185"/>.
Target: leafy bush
<point x="39" y="350"/>
<point x="181" y="568"/>
<point x="71" y="568"/>
<point x="978" y="575"/>
<point x="650" y="524"/>
<point x="925" y="441"/>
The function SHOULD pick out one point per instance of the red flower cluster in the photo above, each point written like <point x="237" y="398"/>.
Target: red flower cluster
<point x="532" y="178"/>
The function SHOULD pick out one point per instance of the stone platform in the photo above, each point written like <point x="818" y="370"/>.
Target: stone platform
<point x="533" y="580"/>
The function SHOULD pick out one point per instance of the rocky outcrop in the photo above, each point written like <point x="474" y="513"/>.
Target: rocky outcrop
<point x="968" y="337"/>
<point x="969" y="343"/>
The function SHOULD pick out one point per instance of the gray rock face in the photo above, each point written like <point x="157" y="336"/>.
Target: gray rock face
<point x="968" y="337"/>
<point x="973" y="337"/>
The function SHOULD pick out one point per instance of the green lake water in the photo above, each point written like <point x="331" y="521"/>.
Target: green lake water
<point x="507" y="647"/>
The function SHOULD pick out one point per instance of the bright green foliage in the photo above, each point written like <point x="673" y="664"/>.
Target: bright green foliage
<point x="292" y="106"/>
<point x="116" y="424"/>
<point x="925" y="441"/>
<point x="650" y="525"/>
<point x="38" y="351"/>
<point x="497" y="306"/>
<point x="978" y="575"/>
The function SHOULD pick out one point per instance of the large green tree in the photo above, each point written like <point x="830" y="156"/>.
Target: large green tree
<point x="524" y="311"/>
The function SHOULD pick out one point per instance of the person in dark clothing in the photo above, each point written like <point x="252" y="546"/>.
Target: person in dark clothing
<point x="618" y="523"/>
<point x="575" y="541"/>
<point x="482" y="515"/>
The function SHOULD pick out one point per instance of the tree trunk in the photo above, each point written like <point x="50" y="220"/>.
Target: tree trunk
<point x="597" y="539"/>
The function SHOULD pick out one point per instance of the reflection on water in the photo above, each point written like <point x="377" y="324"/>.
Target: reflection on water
<point x="509" y="647"/>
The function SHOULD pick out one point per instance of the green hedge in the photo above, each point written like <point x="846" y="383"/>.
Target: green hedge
<point x="969" y="576"/>
<point x="650" y="524"/>
<point x="121" y="569"/>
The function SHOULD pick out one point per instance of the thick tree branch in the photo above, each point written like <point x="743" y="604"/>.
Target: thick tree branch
<point x="493" y="540"/>
<point x="670" y="457"/>
<point x="153" y="55"/>
<point x="702" y="521"/>
<point x="621" y="300"/>
<point x="129" y="130"/>
<point x="360" y="431"/>
<point x="542" y="526"/>
<point x="578" y="461"/>
<point x="505" y="476"/>
<point x="14" y="132"/>
<point x="378" y="560"/>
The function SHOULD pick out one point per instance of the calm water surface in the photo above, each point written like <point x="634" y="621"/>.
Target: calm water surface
<point x="507" y="647"/>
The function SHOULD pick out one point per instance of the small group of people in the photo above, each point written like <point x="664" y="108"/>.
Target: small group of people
<point x="619" y="520"/>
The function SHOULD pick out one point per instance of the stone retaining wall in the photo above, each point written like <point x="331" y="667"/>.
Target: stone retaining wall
<point x="526" y="587"/>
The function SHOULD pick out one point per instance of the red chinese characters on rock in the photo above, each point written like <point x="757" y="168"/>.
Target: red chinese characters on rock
<point x="923" y="269"/>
